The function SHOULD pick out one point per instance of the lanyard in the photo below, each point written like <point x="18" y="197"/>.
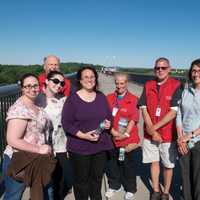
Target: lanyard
<point x="158" y="94"/>
<point x="118" y="100"/>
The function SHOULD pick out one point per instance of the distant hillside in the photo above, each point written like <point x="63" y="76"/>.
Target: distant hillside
<point x="149" y="71"/>
<point x="12" y="73"/>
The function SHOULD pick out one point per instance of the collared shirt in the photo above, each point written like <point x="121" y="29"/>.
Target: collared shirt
<point x="188" y="115"/>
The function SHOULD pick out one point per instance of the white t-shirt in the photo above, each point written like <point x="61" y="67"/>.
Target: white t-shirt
<point x="54" y="111"/>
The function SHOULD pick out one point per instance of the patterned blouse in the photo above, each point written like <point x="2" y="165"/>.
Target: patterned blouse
<point x="36" y="130"/>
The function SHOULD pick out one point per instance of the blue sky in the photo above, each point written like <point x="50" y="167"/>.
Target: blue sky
<point x="129" y="33"/>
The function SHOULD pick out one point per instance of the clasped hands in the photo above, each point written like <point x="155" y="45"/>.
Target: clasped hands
<point x="155" y="135"/>
<point x="182" y="143"/>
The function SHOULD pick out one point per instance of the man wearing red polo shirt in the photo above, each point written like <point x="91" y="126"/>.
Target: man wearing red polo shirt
<point x="52" y="63"/>
<point x="121" y="170"/>
<point x="159" y="104"/>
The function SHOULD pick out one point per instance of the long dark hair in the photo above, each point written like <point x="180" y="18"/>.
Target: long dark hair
<point x="79" y="76"/>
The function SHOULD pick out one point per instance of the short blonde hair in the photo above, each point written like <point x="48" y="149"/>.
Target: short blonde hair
<point x="121" y="74"/>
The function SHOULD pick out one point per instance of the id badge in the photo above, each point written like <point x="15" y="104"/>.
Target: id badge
<point x="158" y="111"/>
<point x="114" y="111"/>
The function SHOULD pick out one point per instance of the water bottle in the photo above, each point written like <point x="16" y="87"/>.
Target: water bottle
<point x="191" y="142"/>
<point x="122" y="125"/>
<point x="121" y="154"/>
<point x="100" y="129"/>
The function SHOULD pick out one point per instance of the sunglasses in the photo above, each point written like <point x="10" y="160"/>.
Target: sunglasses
<point x="57" y="81"/>
<point x="160" y="68"/>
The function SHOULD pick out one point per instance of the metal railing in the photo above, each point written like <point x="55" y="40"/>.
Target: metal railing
<point x="8" y="95"/>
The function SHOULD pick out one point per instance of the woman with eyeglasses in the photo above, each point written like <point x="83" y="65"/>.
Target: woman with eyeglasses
<point x="188" y="129"/>
<point x="26" y="132"/>
<point x="52" y="102"/>
<point x="86" y="118"/>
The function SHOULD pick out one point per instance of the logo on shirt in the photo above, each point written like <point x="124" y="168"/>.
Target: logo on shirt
<point x="168" y="98"/>
<point x="123" y="109"/>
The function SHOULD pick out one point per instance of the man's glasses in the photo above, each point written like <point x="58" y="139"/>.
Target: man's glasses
<point x="28" y="87"/>
<point x="57" y="81"/>
<point x="160" y="68"/>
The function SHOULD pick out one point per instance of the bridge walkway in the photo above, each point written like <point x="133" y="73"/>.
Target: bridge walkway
<point x="142" y="171"/>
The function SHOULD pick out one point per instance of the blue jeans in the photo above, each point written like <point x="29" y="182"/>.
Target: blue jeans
<point x="14" y="189"/>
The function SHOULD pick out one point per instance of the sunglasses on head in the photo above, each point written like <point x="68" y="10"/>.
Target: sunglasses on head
<point x="57" y="81"/>
<point x="162" y="68"/>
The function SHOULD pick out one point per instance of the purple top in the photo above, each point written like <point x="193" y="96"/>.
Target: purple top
<point x="79" y="115"/>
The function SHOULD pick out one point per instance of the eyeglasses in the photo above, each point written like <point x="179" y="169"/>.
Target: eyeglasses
<point x="195" y="71"/>
<point x="57" y="81"/>
<point x="160" y="68"/>
<point x="88" y="77"/>
<point x="28" y="87"/>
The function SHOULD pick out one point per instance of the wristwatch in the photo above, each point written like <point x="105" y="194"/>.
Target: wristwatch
<point x="193" y="135"/>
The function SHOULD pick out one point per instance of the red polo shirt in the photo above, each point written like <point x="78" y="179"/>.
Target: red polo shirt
<point x="127" y="108"/>
<point x="65" y="90"/>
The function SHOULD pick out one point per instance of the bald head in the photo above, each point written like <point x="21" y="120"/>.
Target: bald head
<point x="51" y="63"/>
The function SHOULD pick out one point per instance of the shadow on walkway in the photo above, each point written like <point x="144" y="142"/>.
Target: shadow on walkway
<point x="143" y="171"/>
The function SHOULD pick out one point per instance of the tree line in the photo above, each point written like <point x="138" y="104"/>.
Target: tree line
<point x="11" y="73"/>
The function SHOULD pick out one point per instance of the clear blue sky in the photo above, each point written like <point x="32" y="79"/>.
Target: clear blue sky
<point x="130" y="33"/>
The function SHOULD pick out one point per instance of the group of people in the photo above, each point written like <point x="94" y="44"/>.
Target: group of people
<point x="58" y="139"/>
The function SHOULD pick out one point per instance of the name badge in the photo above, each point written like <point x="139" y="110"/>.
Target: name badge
<point x="158" y="111"/>
<point x="114" y="111"/>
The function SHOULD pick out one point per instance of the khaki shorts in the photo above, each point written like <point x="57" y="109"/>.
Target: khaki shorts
<point x="153" y="152"/>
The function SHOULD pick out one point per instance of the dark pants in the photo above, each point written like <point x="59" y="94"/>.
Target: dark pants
<point x="88" y="173"/>
<point x="121" y="173"/>
<point x="62" y="176"/>
<point x="190" y="173"/>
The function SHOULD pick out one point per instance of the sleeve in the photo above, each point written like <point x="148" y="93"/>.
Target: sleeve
<point x="179" y="117"/>
<point x="67" y="87"/>
<point x="142" y="99"/>
<point x="108" y="109"/>
<point x="135" y="113"/>
<point x="41" y="79"/>
<point x="68" y="117"/>
<point x="18" y="111"/>
<point x="176" y="98"/>
<point x="41" y="100"/>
